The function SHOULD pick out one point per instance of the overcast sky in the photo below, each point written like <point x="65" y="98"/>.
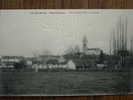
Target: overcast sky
<point x="23" y="33"/>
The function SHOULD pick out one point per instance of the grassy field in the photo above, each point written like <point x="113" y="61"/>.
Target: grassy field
<point x="59" y="83"/>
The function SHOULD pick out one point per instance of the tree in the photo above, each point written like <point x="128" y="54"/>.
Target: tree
<point x="36" y="53"/>
<point x="101" y="57"/>
<point x="20" y="65"/>
<point x="69" y="51"/>
<point x="76" y="49"/>
<point x="46" y="52"/>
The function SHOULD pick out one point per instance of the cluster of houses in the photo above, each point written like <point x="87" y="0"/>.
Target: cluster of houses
<point x="41" y="62"/>
<point x="53" y="62"/>
<point x="8" y="61"/>
<point x="69" y="62"/>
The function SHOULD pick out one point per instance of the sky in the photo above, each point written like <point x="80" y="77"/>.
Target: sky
<point x="24" y="33"/>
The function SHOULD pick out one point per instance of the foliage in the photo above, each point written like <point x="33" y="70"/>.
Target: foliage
<point x="20" y="65"/>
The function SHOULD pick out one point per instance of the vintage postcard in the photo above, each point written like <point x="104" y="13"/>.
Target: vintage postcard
<point x="66" y="52"/>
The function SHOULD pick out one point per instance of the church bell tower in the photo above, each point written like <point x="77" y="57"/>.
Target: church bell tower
<point x="84" y="44"/>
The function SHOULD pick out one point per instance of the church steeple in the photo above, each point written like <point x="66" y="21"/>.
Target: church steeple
<point x="84" y="44"/>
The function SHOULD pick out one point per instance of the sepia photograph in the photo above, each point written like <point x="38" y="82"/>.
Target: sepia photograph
<point x="66" y="52"/>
